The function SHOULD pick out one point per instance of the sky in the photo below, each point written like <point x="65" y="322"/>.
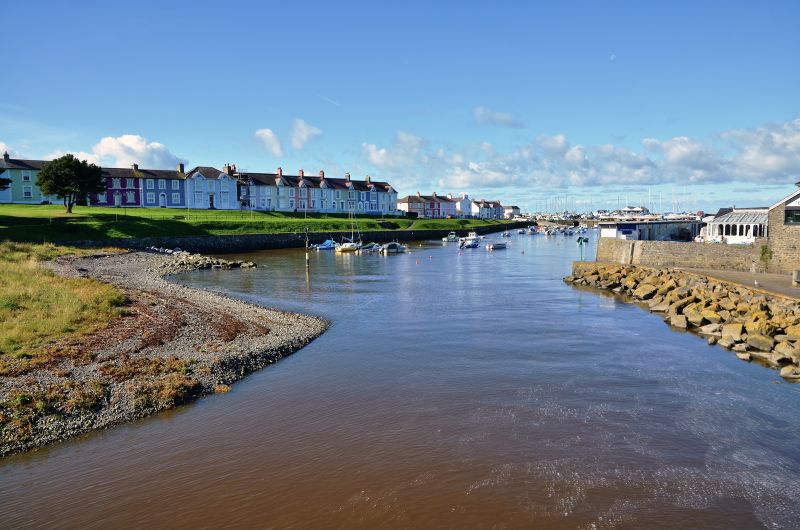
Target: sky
<point x="586" y="105"/>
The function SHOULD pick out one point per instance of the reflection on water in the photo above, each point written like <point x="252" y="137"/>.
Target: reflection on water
<point x="454" y="389"/>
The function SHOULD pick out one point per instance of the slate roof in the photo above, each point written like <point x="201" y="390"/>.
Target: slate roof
<point x="207" y="171"/>
<point x="271" y="179"/>
<point x="16" y="163"/>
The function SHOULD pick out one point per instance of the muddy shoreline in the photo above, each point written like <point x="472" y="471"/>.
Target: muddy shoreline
<point x="173" y="344"/>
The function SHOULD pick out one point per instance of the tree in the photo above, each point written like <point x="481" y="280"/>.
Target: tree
<point x="4" y="183"/>
<point x="70" y="179"/>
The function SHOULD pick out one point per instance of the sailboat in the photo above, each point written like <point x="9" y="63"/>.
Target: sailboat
<point x="351" y="245"/>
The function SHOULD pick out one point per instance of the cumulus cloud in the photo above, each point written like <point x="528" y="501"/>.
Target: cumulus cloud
<point x="270" y="140"/>
<point x="764" y="155"/>
<point x="122" y="151"/>
<point x="5" y="148"/>
<point x="302" y="132"/>
<point x="485" y="116"/>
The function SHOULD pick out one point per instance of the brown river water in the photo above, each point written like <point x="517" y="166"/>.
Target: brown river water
<point x="467" y="389"/>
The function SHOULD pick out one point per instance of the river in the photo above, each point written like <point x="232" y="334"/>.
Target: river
<point x="454" y="389"/>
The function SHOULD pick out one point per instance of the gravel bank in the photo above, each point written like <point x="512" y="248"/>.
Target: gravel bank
<point x="173" y="345"/>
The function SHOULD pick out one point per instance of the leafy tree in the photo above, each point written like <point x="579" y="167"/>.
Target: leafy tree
<point x="4" y="183"/>
<point x="70" y="179"/>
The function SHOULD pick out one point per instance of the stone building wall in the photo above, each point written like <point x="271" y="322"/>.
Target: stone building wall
<point x="784" y="241"/>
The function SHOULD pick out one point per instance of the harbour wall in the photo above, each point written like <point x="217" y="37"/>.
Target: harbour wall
<point x="679" y="254"/>
<point x="222" y="244"/>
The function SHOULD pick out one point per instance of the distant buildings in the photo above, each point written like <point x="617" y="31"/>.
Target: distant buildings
<point x="206" y="187"/>
<point x="437" y="206"/>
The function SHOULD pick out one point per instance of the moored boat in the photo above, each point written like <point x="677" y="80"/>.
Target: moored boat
<point x="328" y="244"/>
<point x="452" y="237"/>
<point x="392" y="248"/>
<point x="370" y="247"/>
<point x="496" y="245"/>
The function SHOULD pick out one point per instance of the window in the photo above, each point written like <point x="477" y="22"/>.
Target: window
<point x="130" y="197"/>
<point x="291" y="203"/>
<point x="149" y="184"/>
<point x="363" y="195"/>
<point x="791" y="217"/>
<point x="223" y="186"/>
<point x="26" y="176"/>
<point x="313" y="203"/>
<point x="101" y="198"/>
<point x="116" y="183"/>
<point x="176" y="198"/>
<point x="351" y="195"/>
<point x="291" y="192"/>
<point x="176" y="185"/>
<point x="341" y="204"/>
<point x="162" y="184"/>
<point x="224" y="197"/>
<point x="151" y="197"/>
<point x="198" y="198"/>
<point x="373" y="206"/>
<point x="322" y="205"/>
<point x="27" y="192"/>
<point x="338" y="194"/>
<point x="360" y="205"/>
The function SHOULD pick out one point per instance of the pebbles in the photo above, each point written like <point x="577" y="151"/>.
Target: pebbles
<point x="754" y="325"/>
<point x="200" y="341"/>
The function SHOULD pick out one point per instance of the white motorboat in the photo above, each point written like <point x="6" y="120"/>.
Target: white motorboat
<point x="452" y="237"/>
<point x="370" y="247"/>
<point x="393" y="248"/>
<point x="521" y="231"/>
<point x="496" y="245"/>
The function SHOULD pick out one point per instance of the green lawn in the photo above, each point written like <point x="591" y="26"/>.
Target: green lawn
<point x="49" y="223"/>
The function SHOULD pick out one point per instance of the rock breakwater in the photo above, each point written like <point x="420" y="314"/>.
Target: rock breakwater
<point x="752" y="324"/>
<point x="179" y="260"/>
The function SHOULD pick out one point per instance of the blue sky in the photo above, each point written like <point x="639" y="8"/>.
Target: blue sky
<point x="588" y="103"/>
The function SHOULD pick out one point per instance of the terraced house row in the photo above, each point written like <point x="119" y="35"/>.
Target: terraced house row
<point x="206" y="187"/>
<point x="437" y="206"/>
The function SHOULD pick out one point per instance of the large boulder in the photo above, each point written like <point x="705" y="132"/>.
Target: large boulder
<point x="793" y="332"/>
<point x="711" y="316"/>
<point x="732" y="331"/>
<point x="760" y="342"/>
<point x="790" y="372"/>
<point x="679" y="321"/>
<point x="645" y="291"/>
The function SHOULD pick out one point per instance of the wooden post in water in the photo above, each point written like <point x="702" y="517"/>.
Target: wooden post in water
<point x="308" y="265"/>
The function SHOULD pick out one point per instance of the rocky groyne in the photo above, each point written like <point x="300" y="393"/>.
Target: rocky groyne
<point x="753" y="324"/>
<point x="178" y="260"/>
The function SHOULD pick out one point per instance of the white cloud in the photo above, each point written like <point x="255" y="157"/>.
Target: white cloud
<point x="302" y="132"/>
<point x="554" y="144"/>
<point x="405" y="153"/>
<point x="271" y="141"/>
<point x="5" y="148"/>
<point x="485" y="116"/>
<point x="770" y="153"/>
<point x="122" y="151"/>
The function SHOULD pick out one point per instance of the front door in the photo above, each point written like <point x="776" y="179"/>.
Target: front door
<point x="117" y="199"/>
<point x="162" y="200"/>
<point x="210" y="201"/>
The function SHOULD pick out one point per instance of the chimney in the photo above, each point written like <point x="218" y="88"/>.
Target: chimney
<point x="418" y="195"/>
<point x="368" y="179"/>
<point x="434" y="195"/>
<point x="449" y="195"/>
<point x="321" y="174"/>
<point x="6" y="158"/>
<point x="347" y="176"/>
<point x="226" y="169"/>
<point x="300" y="172"/>
<point x="180" y="167"/>
<point x="280" y="172"/>
<point x="135" y="167"/>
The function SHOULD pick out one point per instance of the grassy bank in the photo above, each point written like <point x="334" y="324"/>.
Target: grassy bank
<point x="38" y="308"/>
<point x="49" y="223"/>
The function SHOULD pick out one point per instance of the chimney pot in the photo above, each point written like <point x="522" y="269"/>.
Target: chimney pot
<point x="321" y="173"/>
<point x="135" y="167"/>
<point x="180" y="167"/>
<point x="368" y="179"/>
<point x="347" y="176"/>
<point x="280" y="172"/>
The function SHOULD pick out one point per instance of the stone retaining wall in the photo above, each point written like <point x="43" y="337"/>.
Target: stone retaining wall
<point x="679" y="254"/>
<point x="249" y="242"/>
<point x="784" y="240"/>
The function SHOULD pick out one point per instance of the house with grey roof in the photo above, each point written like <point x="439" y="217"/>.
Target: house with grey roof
<point x="208" y="188"/>
<point x="23" y="188"/>
<point x="321" y="194"/>
<point x="738" y="226"/>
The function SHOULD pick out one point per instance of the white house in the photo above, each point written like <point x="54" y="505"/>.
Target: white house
<point x="463" y="205"/>
<point x="211" y="189"/>
<point x="484" y="209"/>
<point x="509" y="212"/>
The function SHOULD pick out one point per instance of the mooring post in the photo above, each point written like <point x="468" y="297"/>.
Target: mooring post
<point x="308" y="264"/>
